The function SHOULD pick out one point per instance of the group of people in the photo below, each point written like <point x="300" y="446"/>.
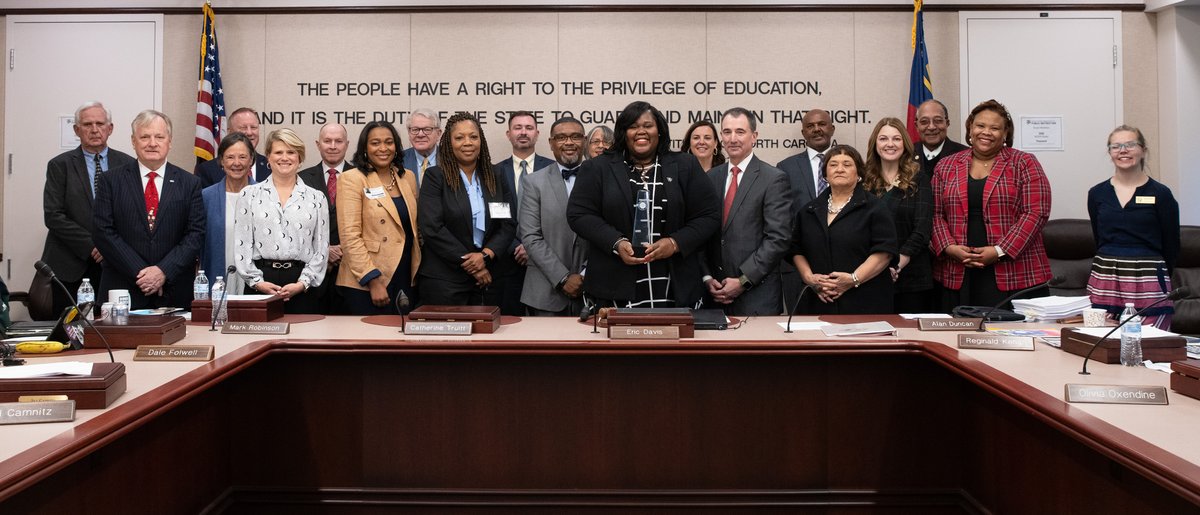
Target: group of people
<point x="614" y="218"/>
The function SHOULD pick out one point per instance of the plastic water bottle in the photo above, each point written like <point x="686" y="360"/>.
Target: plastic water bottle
<point x="87" y="295"/>
<point x="200" y="286"/>
<point x="1131" y="337"/>
<point x="218" y="291"/>
<point x="120" y="312"/>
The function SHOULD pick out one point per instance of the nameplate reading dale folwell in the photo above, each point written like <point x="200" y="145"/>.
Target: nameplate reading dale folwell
<point x="255" y="328"/>
<point x="438" y="328"/>
<point x="948" y="324"/>
<point x="1117" y="394"/>
<point x="994" y="342"/>
<point x="173" y="353"/>
<point x="644" y="332"/>
<point x="34" y="412"/>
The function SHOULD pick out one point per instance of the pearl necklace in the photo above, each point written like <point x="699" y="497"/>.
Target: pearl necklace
<point x="834" y="211"/>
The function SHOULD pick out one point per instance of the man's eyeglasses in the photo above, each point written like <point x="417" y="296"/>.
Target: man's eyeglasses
<point x="559" y="138"/>
<point x="421" y="130"/>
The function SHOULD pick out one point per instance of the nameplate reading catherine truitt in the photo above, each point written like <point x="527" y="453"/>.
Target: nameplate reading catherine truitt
<point x="994" y="342"/>
<point x="644" y="332"/>
<point x="948" y="324"/>
<point x="438" y="328"/>
<point x="33" y="412"/>
<point x="173" y="353"/>
<point x="255" y="328"/>
<point x="1117" y="394"/>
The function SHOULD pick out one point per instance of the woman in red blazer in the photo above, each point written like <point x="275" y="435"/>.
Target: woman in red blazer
<point x="990" y="203"/>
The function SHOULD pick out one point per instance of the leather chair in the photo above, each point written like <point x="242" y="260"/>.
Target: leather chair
<point x="1070" y="247"/>
<point x="1187" y="273"/>
<point x="38" y="300"/>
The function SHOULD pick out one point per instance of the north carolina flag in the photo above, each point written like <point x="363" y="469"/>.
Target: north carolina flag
<point x="210" y="98"/>
<point x="920" y="88"/>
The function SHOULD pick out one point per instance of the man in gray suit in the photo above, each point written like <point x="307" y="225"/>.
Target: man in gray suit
<point x="756" y="227"/>
<point x="67" y="200"/>
<point x="554" y="279"/>
<point x="804" y="173"/>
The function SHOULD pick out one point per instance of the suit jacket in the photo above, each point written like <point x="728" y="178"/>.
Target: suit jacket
<point x="446" y="227"/>
<point x="505" y="172"/>
<point x="210" y="172"/>
<point x="67" y="209"/>
<point x="553" y="248"/>
<point x="124" y="238"/>
<point x="948" y="148"/>
<point x="315" y="177"/>
<point x="800" y="174"/>
<point x="212" y="257"/>
<point x="372" y="237"/>
<point x="412" y="162"/>
<point x="601" y="210"/>
<point x="755" y="237"/>
<point x="912" y="211"/>
<point x="1016" y="205"/>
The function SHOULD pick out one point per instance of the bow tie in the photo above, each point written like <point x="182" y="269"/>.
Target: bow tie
<point x="569" y="172"/>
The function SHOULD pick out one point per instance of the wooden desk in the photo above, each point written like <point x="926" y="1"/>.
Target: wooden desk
<point x="543" y="417"/>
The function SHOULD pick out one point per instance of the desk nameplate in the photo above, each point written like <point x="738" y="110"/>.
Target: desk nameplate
<point x="36" y="412"/>
<point x="1117" y="394"/>
<point x="644" y="332"/>
<point x="174" y="353"/>
<point x="994" y="342"/>
<point x="948" y="324"/>
<point x="256" y="328"/>
<point x="438" y="328"/>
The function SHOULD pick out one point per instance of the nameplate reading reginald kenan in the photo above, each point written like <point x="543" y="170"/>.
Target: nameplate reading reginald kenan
<point x="173" y="353"/>
<point x="994" y="342"/>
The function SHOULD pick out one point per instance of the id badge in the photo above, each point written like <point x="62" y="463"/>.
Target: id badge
<point x="374" y="193"/>
<point x="499" y="210"/>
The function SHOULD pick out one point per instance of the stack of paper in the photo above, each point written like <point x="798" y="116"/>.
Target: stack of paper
<point x="1053" y="307"/>
<point x="864" y="329"/>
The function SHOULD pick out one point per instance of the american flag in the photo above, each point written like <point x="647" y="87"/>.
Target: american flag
<point x="920" y="87"/>
<point x="210" y="98"/>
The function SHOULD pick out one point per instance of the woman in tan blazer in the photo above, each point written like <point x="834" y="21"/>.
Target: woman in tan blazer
<point x="377" y="221"/>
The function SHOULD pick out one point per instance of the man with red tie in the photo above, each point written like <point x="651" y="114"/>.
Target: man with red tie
<point x="148" y="222"/>
<point x="332" y="142"/>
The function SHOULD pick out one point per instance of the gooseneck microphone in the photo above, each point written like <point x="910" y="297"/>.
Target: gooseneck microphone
<point x="1176" y="294"/>
<point x="402" y="304"/>
<point x="216" y="307"/>
<point x="43" y="269"/>
<point x="1054" y="281"/>
<point x="796" y="306"/>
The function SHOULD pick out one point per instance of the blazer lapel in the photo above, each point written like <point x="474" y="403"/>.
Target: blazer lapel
<point x="998" y="169"/>
<point x="749" y="176"/>
<point x="373" y="181"/>
<point x="620" y="176"/>
<point x="81" y="174"/>
<point x="558" y="186"/>
<point x="809" y="176"/>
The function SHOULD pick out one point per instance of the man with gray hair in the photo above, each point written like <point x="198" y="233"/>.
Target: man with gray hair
<point x="424" y="131"/>
<point x="70" y="188"/>
<point x="148" y="222"/>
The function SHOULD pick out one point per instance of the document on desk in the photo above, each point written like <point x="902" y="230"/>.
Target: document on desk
<point x="1148" y="331"/>
<point x="864" y="329"/>
<point x="797" y="325"/>
<point x="67" y="368"/>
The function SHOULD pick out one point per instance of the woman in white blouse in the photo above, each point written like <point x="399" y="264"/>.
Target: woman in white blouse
<point x="282" y="229"/>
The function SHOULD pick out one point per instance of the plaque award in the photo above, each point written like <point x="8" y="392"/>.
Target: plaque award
<point x="643" y="210"/>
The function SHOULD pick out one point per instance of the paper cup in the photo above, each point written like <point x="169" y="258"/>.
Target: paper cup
<point x="114" y="295"/>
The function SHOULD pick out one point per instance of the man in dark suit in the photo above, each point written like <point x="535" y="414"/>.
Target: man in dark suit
<point x="332" y="142"/>
<point x="67" y="201"/>
<point x="756" y="227"/>
<point x="523" y="134"/>
<point x="424" y="131"/>
<point x="149" y="222"/>
<point x="245" y="121"/>
<point x="804" y="173"/>
<point x="933" y="119"/>
<point x="554" y="279"/>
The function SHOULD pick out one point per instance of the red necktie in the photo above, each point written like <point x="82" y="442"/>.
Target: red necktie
<point x="151" y="199"/>
<point x="331" y="186"/>
<point x="730" y="194"/>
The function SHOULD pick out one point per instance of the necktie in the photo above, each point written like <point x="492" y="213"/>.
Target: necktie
<point x="732" y="192"/>
<point x="331" y="186"/>
<point x="96" y="176"/>
<point x="821" y="182"/>
<point x="151" y="199"/>
<point x="424" y="165"/>
<point x="524" y="170"/>
<point x="567" y="173"/>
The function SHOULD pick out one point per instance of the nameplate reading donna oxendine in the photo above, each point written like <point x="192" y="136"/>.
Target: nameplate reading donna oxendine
<point x="35" y="412"/>
<point x="1117" y="394"/>
<point x="438" y="328"/>
<point x="948" y="324"/>
<point x="173" y="353"/>
<point x="994" y="342"/>
<point x="644" y="332"/>
<point x="255" y="328"/>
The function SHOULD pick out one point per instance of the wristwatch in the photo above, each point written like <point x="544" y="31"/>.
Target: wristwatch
<point x="746" y="283"/>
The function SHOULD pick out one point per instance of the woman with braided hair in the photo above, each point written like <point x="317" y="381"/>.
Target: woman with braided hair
<point x="466" y="219"/>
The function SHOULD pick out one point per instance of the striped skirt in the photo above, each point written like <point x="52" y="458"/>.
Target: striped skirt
<point x="1140" y="280"/>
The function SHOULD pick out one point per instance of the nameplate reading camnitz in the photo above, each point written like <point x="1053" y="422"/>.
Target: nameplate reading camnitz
<point x="256" y="328"/>
<point x="35" y="412"/>
<point x="1117" y="394"/>
<point x="994" y="342"/>
<point x="438" y="328"/>
<point x="948" y="324"/>
<point x="173" y="353"/>
<point x="644" y="332"/>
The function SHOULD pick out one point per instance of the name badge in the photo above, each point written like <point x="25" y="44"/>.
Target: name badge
<point x="1144" y="199"/>
<point x="499" y="210"/>
<point x="374" y="193"/>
